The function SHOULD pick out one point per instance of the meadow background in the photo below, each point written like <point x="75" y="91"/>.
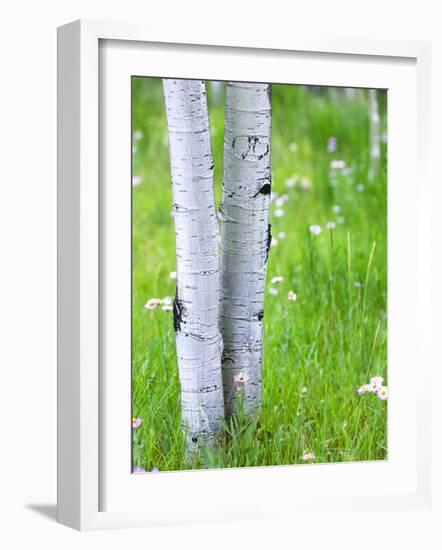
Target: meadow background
<point x="318" y="348"/>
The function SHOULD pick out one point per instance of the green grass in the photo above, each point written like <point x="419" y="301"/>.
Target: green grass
<point x="318" y="349"/>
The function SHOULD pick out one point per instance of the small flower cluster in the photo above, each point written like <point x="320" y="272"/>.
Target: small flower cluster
<point x="136" y="422"/>
<point x="375" y="386"/>
<point x="316" y="229"/>
<point x="338" y="167"/>
<point x="240" y="379"/>
<point x="308" y="456"/>
<point x="337" y="164"/>
<point x="298" y="181"/>
<point x="165" y="302"/>
<point x="291" y="296"/>
<point x="279" y="201"/>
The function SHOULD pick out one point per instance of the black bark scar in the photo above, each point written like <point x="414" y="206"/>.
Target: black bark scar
<point x="255" y="148"/>
<point x="264" y="190"/>
<point x="269" y="240"/>
<point x="177" y="313"/>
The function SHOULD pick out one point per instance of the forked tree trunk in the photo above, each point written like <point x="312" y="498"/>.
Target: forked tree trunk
<point x="196" y="307"/>
<point x="245" y="241"/>
<point x="375" y="138"/>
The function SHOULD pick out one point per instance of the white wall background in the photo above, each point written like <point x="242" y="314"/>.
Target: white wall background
<point x="28" y="264"/>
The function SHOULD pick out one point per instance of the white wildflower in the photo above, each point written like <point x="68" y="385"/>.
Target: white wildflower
<point x="315" y="229"/>
<point x="240" y="378"/>
<point x="136" y="180"/>
<point x="279" y="212"/>
<point x="292" y="296"/>
<point x="330" y="225"/>
<point x="290" y="182"/>
<point x="273" y="291"/>
<point x="305" y="184"/>
<point x="337" y="164"/>
<point x="152" y="303"/>
<point x="376" y="382"/>
<point x="172" y="274"/>
<point x="331" y="144"/>
<point x="308" y="456"/>
<point x="382" y="393"/>
<point x="363" y="389"/>
<point x="281" y="235"/>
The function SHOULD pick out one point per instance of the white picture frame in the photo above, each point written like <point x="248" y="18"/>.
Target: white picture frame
<point x="86" y="474"/>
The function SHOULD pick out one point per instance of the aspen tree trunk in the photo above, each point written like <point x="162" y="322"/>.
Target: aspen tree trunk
<point x="196" y="306"/>
<point x="245" y="241"/>
<point x="375" y="145"/>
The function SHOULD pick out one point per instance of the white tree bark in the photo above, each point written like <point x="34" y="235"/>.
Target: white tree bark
<point x="196" y="307"/>
<point x="375" y="138"/>
<point x="245" y="240"/>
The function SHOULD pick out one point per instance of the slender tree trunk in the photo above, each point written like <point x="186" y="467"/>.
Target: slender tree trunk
<point x="375" y="138"/>
<point x="245" y="240"/>
<point x="196" y="307"/>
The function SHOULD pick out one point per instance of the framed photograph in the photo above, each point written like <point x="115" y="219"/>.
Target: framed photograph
<point x="242" y="270"/>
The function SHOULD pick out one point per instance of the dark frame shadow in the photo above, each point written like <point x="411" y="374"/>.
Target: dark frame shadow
<point x="49" y="511"/>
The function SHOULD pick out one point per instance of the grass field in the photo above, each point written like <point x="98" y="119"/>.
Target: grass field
<point x="319" y="348"/>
